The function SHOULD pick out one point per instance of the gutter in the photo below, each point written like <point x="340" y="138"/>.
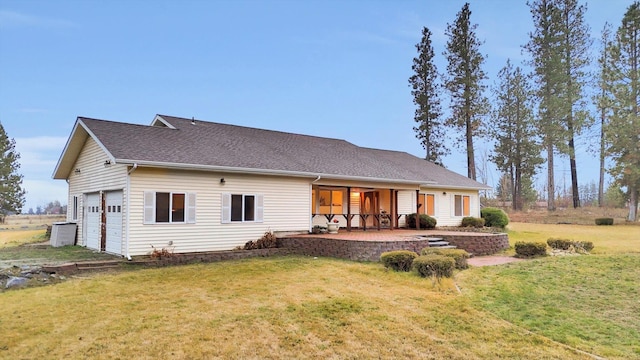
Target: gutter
<point x="228" y="169"/>
<point x="129" y="172"/>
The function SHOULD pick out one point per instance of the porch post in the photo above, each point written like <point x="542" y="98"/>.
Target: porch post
<point x="417" y="208"/>
<point x="395" y="198"/>
<point x="349" y="208"/>
<point x="392" y="214"/>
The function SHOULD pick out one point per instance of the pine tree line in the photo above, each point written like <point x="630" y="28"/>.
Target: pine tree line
<point x="541" y="112"/>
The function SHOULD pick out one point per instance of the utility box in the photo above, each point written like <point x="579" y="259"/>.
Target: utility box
<point x="63" y="233"/>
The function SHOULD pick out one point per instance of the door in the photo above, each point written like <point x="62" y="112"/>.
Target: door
<point x="369" y="206"/>
<point x="113" y="209"/>
<point x="92" y="221"/>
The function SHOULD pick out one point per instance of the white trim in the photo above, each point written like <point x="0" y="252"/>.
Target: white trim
<point x="159" y="118"/>
<point x="166" y="165"/>
<point x="150" y="203"/>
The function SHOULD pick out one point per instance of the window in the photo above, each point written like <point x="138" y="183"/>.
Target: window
<point x="462" y="205"/>
<point x="169" y="207"/>
<point x="242" y="208"/>
<point x="329" y="202"/>
<point x="427" y="204"/>
<point x="74" y="210"/>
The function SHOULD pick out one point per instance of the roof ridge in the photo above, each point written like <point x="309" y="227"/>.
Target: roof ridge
<point x="257" y="128"/>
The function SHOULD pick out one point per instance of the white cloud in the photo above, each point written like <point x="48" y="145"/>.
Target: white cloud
<point x="38" y="158"/>
<point x="15" y="19"/>
<point x="42" y="192"/>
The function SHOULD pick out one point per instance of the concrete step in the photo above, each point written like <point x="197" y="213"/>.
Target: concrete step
<point x="438" y="243"/>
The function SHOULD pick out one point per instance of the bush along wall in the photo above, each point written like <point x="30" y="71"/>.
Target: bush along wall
<point x="494" y="217"/>
<point x="426" y="221"/>
<point x="399" y="260"/>
<point x="434" y="265"/>
<point x="530" y="249"/>
<point x="604" y="221"/>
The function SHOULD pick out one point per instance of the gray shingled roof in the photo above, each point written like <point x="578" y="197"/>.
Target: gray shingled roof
<point x="216" y="145"/>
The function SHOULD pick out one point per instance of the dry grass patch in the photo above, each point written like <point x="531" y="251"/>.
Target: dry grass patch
<point x="291" y="307"/>
<point x="18" y="237"/>
<point x="617" y="239"/>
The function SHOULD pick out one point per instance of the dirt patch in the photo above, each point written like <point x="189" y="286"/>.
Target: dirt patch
<point x="492" y="260"/>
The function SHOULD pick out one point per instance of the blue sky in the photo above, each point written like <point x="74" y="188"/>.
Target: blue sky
<point x="327" y="68"/>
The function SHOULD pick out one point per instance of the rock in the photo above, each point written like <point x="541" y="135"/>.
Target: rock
<point x="15" y="281"/>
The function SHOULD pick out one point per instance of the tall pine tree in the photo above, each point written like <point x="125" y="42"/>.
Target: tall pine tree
<point x="624" y="128"/>
<point x="11" y="192"/>
<point x="425" y="91"/>
<point x="516" y="153"/>
<point x="603" y="101"/>
<point x="575" y="43"/>
<point x="465" y="82"/>
<point x="544" y="48"/>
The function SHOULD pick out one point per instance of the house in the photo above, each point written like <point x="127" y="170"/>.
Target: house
<point x="194" y="186"/>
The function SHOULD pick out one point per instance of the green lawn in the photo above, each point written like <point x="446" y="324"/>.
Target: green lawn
<point x="300" y="307"/>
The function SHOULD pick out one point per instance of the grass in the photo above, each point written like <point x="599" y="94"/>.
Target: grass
<point x="10" y="238"/>
<point x="617" y="239"/>
<point x="294" y="307"/>
<point x="14" y="246"/>
<point x="298" y="307"/>
<point x="587" y="302"/>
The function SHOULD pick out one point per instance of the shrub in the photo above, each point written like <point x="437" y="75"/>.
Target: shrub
<point x="494" y="217"/>
<point x="426" y="221"/>
<point x="434" y="265"/>
<point x="460" y="256"/>
<point x="584" y="245"/>
<point x="471" y="221"/>
<point x="268" y="240"/>
<point x="399" y="260"/>
<point x="529" y="249"/>
<point x="560" y="244"/>
<point x="604" y="221"/>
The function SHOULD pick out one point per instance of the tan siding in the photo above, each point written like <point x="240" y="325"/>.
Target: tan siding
<point x="286" y="208"/>
<point x="406" y="204"/>
<point x="94" y="176"/>
<point x="445" y="207"/>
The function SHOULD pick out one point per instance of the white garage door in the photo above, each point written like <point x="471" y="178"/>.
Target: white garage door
<point x="92" y="221"/>
<point x="114" y="221"/>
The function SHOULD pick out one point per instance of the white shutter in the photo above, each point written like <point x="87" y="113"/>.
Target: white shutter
<point x="259" y="215"/>
<point x="149" y="207"/>
<point x="226" y="208"/>
<point x="191" y="208"/>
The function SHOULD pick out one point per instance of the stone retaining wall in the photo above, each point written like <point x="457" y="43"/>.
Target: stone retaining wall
<point x="485" y="244"/>
<point x="479" y="245"/>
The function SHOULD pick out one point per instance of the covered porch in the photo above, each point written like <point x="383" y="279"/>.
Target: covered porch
<point x="366" y="208"/>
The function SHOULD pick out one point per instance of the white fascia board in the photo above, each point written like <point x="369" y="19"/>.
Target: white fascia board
<point x="262" y="171"/>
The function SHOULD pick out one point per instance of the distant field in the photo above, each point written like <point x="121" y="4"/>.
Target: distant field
<point x="584" y="216"/>
<point x="616" y="239"/>
<point x="14" y="222"/>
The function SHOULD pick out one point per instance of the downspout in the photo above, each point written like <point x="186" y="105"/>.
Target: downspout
<point x="129" y="172"/>
<point x="311" y="210"/>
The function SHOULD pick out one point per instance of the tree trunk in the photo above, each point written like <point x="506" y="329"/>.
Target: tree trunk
<point x="517" y="198"/>
<point x="633" y="204"/>
<point x="574" y="171"/>
<point x="471" y="162"/>
<point x="551" y="188"/>
<point x="601" y="180"/>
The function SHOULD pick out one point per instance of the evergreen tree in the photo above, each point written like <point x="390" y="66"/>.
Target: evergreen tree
<point x="544" y="48"/>
<point x="603" y="101"/>
<point x="465" y="82"/>
<point x="11" y="192"/>
<point x="425" y="91"/>
<point x="575" y="43"/>
<point x="624" y="127"/>
<point x="516" y="153"/>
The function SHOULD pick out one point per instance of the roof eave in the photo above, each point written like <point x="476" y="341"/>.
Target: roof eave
<point x="72" y="149"/>
<point x="199" y="167"/>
